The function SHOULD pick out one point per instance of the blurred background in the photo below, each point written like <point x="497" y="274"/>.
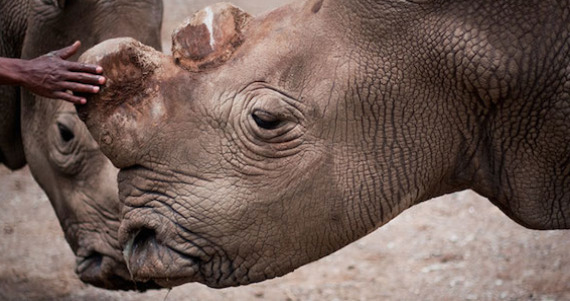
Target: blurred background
<point x="457" y="247"/>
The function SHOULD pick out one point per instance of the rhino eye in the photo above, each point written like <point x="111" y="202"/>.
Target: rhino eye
<point x="65" y="133"/>
<point x="265" y="120"/>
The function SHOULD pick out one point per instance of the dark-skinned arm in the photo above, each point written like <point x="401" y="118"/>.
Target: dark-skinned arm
<point x="51" y="75"/>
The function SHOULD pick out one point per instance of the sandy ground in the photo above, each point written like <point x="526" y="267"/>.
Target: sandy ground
<point x="458" y="247"/>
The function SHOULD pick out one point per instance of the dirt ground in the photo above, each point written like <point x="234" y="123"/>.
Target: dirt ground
<point x="457" y="247"/>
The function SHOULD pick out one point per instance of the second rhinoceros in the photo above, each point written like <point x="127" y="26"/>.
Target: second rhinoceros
<point x="78" y="179"/>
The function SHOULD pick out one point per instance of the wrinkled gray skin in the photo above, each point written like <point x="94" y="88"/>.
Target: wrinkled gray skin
<point x="13" y="21"/>
<point x="370" y="107"/>
<point x="63" y="157"/>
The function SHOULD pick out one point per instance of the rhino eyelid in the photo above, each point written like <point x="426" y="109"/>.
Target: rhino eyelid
<point x="65" y="133"/>
<point x="266" y="120"/>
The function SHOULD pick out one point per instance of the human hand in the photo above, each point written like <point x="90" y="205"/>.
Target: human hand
<point x="51" y="75"/>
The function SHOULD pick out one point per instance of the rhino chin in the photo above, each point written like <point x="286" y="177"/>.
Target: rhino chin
<point x="104" y="272"/>
<point x="172" y="282"/>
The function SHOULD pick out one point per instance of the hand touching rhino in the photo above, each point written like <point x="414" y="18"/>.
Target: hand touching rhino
<point x="52" y="76"/>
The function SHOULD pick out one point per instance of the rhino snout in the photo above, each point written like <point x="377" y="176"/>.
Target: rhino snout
<point x="150" y="260"/>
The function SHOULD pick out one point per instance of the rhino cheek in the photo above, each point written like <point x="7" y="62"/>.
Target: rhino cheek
<point x="247" y="235"/>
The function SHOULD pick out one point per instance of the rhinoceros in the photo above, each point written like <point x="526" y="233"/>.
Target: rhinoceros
<point x="263" y="144"/>
<point x="63" y="157"/>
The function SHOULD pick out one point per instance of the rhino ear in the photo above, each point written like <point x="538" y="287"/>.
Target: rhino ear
<point x="210" y="37"/>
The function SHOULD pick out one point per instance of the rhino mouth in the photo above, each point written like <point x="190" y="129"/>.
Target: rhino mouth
<point x="103" y="271"/>
<point x="159" y="243"/>
<point x="149" y="258"/>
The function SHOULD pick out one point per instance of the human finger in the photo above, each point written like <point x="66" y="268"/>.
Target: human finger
<point x="85" y="78"/>
<point x="68" y="51"/>
<point x="69" y="97"/>
<point x="82" y="67"/>
<point x="79" y="88"/>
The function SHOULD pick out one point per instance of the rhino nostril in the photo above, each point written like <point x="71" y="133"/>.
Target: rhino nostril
<point x="144" y="238"/>
<point x="91" y="263"/>
<point x="140" y="242"/>
<point x="95" y="257"/>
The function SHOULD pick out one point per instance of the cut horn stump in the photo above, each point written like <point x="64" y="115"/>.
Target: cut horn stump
<point x="209" y="38"/>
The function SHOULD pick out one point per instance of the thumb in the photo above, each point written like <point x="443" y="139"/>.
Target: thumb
<point x="68" y="51"/>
